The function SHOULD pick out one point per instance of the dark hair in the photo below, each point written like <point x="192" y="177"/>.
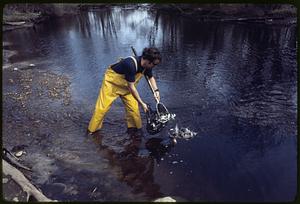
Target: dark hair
<point x="151" y="54"/>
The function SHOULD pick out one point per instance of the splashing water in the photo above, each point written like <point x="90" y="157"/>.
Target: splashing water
<point x="164" y="118"/>
<point x="183" y="133"/>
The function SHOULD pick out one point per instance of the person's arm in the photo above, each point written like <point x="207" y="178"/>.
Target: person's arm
<point x="155" y="89"/>
<point x="136" y="95"/>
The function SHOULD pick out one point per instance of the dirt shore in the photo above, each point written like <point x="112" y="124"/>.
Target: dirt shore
<point x="36" y="106"/>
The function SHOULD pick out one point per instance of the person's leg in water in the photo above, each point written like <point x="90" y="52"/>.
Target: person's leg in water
<point x="133" y="117"/>
<point x="104" y="101"/>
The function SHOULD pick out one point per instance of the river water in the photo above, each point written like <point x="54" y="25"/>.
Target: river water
<point x="233" y="83"/>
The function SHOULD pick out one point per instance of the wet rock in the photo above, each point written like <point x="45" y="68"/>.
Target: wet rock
<point x="4" y="180"/>
<point x="19" y="153"/>
<point x="165" y="199"/>
<point x="15" y="199"/>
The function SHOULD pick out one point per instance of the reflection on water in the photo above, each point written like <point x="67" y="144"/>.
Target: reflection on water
<point x="234" y="84"/>
<point x="135" y="171"/>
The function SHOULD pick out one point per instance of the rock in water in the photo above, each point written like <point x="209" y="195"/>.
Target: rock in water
<point x="165" y="199"/>
<point x="19" y="153"/>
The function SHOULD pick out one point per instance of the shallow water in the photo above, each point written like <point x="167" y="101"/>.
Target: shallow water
<point x="234" y="84"/>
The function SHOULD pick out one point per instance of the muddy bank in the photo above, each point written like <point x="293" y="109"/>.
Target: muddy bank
<point x="12" y="191"/>
<point x="27" y="15"/>
<point x="256" y="13"/>
<point x="36" y="107"/>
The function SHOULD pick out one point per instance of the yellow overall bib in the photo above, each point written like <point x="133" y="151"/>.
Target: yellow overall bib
<point x="114" y="85"/>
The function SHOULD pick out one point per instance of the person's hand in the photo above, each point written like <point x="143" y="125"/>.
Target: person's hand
<point x="156" y="95"/>
<point x="145" y="107"/>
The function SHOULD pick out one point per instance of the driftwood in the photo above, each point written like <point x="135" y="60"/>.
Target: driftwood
<point x="8" y="156"/>
<point x="24" y="183"/>
<point x="15" y="23"/>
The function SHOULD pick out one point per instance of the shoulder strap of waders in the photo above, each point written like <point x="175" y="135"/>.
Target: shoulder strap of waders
<point x="135" y="62"/>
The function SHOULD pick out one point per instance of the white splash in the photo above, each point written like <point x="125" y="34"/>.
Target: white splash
<point x="163" y="118"/>
<point x="184" y="133"/>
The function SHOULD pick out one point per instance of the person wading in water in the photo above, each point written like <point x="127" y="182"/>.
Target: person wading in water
<point x="120" y="80"/>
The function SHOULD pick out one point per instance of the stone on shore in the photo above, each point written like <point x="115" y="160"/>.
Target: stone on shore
<point x="165" y="199"/>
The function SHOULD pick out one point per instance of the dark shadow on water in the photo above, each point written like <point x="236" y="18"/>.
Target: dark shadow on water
<point x="136" y="170"/>
<point x="159" y="147"/>
<point x="109" y="171"/>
